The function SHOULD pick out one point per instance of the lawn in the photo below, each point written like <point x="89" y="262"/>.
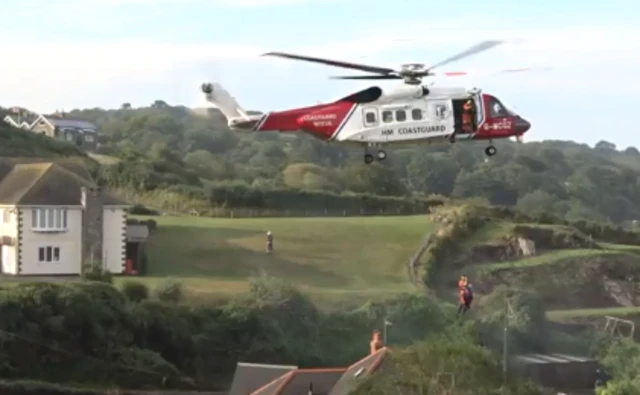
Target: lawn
<point x="335" y="258"/>
<point x="564" y="315"/>
<point x="548" y="258"/>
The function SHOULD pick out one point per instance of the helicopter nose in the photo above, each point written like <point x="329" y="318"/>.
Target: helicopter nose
<point x="522" y="125"/>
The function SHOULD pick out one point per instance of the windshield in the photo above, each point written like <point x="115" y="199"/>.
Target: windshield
<point x="496" y="109"/>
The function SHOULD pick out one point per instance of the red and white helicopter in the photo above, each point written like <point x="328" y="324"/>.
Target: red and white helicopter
<point x="376" y="117"/>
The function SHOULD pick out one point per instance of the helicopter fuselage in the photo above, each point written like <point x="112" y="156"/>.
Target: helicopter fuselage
<point x="407" y="115"/>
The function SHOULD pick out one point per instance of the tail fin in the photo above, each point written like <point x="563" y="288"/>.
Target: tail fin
<point x="222" y="100"/>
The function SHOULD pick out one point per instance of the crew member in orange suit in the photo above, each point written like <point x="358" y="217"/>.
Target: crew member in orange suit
<point x="467" y="117"/>
<point x="467" y="120"/>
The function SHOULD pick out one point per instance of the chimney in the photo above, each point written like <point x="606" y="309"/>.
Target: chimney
<point x="376" y="343"/>
<point x="91" y="225"/>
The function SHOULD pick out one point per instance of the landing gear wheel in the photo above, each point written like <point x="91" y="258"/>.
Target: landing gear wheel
<point x="368" y="158"/>
<point x="490" y="150"/>
<point x="382" y="155"/>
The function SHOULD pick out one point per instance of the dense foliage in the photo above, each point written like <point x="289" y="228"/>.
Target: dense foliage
<point x="444" y="365"/>
<point x="16" y="143"/>
<point x="164" y="146"/>
<point x="621" y="359"/>
<point x="92" y="333"/>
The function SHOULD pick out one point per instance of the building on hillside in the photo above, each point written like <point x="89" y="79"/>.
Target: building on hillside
<point x="55" y="218"/>
<point x="264" y="379"/>
<point x="561" y="372"/>
<point x="84" y="134"/>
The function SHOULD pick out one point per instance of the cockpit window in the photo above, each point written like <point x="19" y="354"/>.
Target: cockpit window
<point x="496" y="109"/>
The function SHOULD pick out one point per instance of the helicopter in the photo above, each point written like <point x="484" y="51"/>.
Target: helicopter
<point x="374" y="118"/>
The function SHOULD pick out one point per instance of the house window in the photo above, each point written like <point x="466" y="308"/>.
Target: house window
<point x="68" y="136"/>
<point x="88" y="138"/>
<point x="48" y="254"/>
<point x="49" y="219"/>
<point x="6" y="216"/>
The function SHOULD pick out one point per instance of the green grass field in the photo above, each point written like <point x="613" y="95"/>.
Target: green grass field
<point x="337" y="259"/>
<point x="548" y="258"/>
<point x="567" y="315"/>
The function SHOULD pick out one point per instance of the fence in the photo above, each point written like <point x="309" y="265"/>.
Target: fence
<point x="258" y="213"/>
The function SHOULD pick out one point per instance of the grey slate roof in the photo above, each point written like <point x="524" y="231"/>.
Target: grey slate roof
<point x="70" y="123"/>
<point x="47" y="184"/>
<point x="249" y="377"/>
<point x="550" y="358"/>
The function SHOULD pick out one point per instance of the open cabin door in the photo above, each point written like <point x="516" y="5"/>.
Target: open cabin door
<point x="466" y="120"/>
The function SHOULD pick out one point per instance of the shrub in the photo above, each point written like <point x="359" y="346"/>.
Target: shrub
<point x="139" y="209"/>
<point x="135" y="291"/>
<point x="170" y="291"/>
<point x="94" y="271"/>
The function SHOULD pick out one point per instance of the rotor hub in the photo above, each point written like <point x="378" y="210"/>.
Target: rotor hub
<point x="413" y="67"/>
<point x="409" y="80"/>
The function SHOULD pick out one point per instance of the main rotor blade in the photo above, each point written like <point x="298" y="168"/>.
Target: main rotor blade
<point x="335" y="63"/>
<point x="488" y="73"/>
<point x="480" y="47"/>
<point x="366" y="77"/>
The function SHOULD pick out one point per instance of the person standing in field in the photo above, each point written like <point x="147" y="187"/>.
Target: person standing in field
<point x="269" y="242"/>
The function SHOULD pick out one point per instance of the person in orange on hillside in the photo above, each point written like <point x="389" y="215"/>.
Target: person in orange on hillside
<point x="462" y="291"/>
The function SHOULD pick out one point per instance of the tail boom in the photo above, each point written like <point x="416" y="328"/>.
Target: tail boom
<point x="323" y="121"/>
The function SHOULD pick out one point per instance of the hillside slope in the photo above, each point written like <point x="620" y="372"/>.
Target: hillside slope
<point x="357" y="258"/>
<point x="590" y="269"/>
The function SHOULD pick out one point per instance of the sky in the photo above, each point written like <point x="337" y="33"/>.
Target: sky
<point x="67" y="54"/>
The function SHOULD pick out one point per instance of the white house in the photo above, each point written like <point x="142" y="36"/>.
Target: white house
<point x="54" y="219"/>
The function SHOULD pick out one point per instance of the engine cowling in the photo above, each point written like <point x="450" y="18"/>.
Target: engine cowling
<point x="406" y="92"/>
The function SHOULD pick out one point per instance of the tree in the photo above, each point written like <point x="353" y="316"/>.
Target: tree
<point x="432" y="174"/>
<point x="605" y="146"/>
<point x="374" y="178"/>
<point x="536" y="203"/>
<point x="442" y="366"/>
<point x="622" y="360"/>
<point x="308" y="176"/>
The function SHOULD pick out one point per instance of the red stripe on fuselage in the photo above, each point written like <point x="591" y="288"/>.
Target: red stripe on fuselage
<point x="326" y="123"/>
<point x="323" y="121"/>
<point x="285" y="121"/>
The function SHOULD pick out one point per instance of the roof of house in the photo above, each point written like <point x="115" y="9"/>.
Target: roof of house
<point x="358" y="371"/>
<point x="47" y="184"/>
<point x="551" y="359"/>
<point x="251" y="376"/>
<point x="25" y="120"/>
<point x="300" y="381"/>
<point x="70" y="123"/>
